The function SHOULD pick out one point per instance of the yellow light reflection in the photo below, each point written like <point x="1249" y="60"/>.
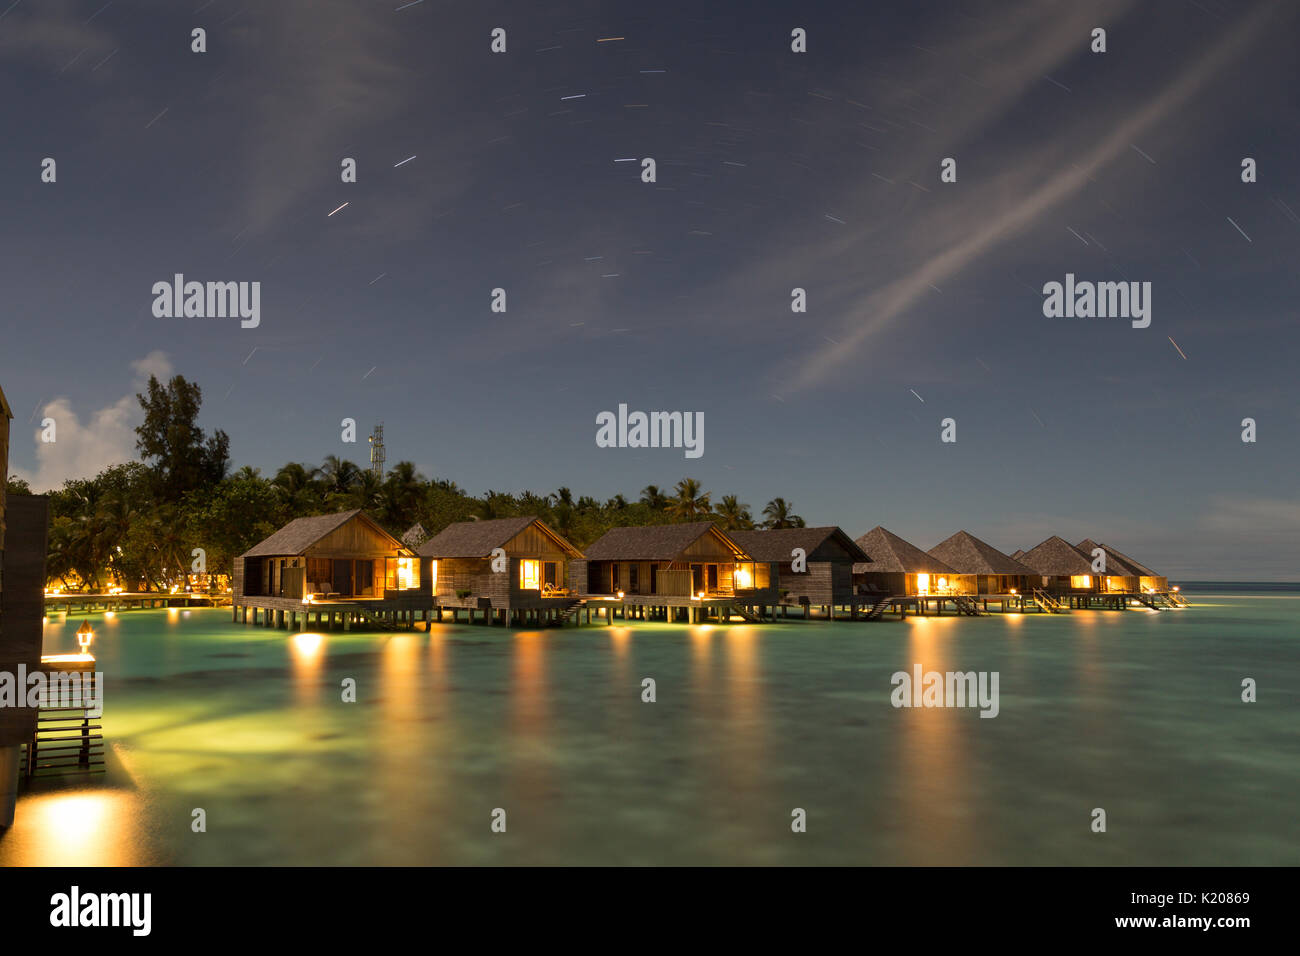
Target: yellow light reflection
<point x="307" y="659"/>
<point x="930" y="738"/>
<point x="81" y="828"/>
<point x="306" y="645"/>
<point x="620" y="638"/>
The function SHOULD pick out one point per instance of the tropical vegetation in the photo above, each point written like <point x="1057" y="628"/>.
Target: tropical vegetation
<point x="180" y="511"/>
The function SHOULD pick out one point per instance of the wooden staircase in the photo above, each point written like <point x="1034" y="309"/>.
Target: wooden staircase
<point x="570" y="609"/>
<point x="1046" y="602"/>
<point x="967" y="605"/>
<point x="1152" y="601"/>
<point x="66" y="741"/>
<point x="745" y="613"/>
<point x="376" y="623"/>
<point x="879" y="608"/>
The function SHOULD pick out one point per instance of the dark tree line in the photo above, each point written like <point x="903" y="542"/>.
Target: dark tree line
<point x="138" y="524"/>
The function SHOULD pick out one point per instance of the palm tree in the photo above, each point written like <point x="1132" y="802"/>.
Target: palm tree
<point x="339" y="475"/>
<point x="563" y="511"/>
<point x="688" y="502"/>
<point x="367" y="492"/>
<point x="780" y="514"/>
<point x="296" y="485"/>
<point x="400" y="497"/>
<point x="531" y="503"/>
<point x="733" y="515"/>
<point x="654" y="497"/>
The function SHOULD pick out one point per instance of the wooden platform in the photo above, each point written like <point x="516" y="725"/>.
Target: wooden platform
<point x="89" y="603"/>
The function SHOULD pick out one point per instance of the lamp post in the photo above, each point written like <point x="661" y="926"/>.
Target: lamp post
<point x="85" y="634"/>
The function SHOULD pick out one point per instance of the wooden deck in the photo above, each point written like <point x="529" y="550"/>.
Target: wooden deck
<point x="78" y="602"/>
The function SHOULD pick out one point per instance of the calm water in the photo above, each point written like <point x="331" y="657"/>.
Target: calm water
<point x="1137" y="712"/>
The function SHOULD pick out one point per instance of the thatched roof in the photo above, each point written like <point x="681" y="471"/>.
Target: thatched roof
<point x="776" y="544"/>
<point x="1017" y="554"/>
<point x="967" y="554"/>
<point x="1140" y="569"/>
<point x="660" y="542"/>
<point x="890" y="553"/>
<point x="301" y="533"/>
<point x="1057" y="557"/>
<point x="415" y="535"/>
<point x="478" y="539"/>
<point x="1115" y="562"/>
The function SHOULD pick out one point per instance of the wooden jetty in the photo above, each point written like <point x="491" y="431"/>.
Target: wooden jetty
<point x="82" y="602"/>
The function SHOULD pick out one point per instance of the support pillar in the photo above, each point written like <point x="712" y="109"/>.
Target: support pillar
<point x="8" y="784"/>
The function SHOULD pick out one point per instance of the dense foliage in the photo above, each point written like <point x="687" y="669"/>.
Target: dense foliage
<point x="137" y="525"/>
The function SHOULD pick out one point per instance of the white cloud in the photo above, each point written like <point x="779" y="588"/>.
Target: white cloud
<point x="107" y="437"/>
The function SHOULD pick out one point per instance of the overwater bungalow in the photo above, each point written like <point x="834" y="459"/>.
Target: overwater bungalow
<point x="982" y="570"/>
<point x="898" y="567"/>
<point x="511" y="569"/>
<point x="825" y="575"/>
<point x="659" y="570"/>
<point x="1119" y="574"/>
<point x="1064" y="571"/>
<point x="1147" y="581"/>
<point x="342" y="567"/>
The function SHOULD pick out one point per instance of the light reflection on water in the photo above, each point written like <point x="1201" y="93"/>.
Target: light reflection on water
<point x="1139" y="713"/>
<point x="99" y="827"/>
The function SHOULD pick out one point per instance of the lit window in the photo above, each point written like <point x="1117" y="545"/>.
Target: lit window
<point x="400" y="574"/>
<point x="744" y="577"/>
<point x="530" y="574"/>
<point x="923" y="584"/>
<point x="1081" y="580"/>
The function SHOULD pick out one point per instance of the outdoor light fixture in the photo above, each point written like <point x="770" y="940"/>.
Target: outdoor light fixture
<point x="620" y="595"/>
<point x="85" y="634"/>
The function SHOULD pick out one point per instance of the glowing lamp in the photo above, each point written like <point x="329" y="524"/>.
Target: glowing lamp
<point x="1014" y="591"/>
<point x="85" y="634"/>
<point x="620" y="595"/>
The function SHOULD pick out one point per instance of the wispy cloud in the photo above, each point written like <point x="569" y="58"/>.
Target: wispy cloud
<point x="50" y="34"/>
<point x="1003" y="209"/>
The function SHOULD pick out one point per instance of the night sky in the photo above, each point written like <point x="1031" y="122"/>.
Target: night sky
<point x="775" y="170"/>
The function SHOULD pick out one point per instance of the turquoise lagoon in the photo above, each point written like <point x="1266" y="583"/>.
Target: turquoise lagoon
<point x="1139" y="713"/>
